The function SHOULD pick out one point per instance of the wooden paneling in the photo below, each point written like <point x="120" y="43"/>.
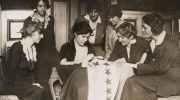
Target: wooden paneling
<point x="83" y="8"/>
<point x="73" y="11"/>
<point x="168" y="26"/>
<point x="61" y="15"/>
<point x="150" y="5"/>
<point x="170" y="20"/>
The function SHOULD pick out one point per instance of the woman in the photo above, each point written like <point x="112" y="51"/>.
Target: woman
<point x="19" y="78"/>
<point x="47" y="55"/>
<point x="78" y="48"/>
<point x="114" y="17"/>
<point x="128" y="48"/>
<point x="97" y="39"/>
<point x="73" y="56"/>
<point x="129" y="45"/>
<point x="76" y="51"/>
<point x="160" y="76"/>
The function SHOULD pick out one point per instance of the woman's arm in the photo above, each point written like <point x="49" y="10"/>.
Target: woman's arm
<point x="164" y="61"/>
<point x="65" y="62"/>
<point x="107" y="39"/>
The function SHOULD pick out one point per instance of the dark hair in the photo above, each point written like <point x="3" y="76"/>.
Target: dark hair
<point x="35" y="3"/>
<point x="114" y="10"/>
<point x="127" y="30"/>
<point x="81" y="28"/>
<point x="93" y="4"/>
<point x="31" y="27"/>
<point x="155" y="21"/>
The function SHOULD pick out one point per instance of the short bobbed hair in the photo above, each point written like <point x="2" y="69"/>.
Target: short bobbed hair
<point x="155" y="21"/>
<point x="82" y="28"/>
<point x="114" y="10"/>
<point x="35" y="3"/>
<point x="127" y="29"/>
<point x="31" y="27"/>
<point x="93" y="4"/>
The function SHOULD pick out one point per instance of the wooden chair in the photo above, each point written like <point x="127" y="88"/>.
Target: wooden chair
<point x="55" y="84"/>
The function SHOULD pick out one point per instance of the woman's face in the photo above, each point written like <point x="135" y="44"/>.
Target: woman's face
<point x="124" y="40"/>
<point x="146" y="31"/>
<point x="82" y="38"/>
<point x="41" y="8"/>
<point x="36" y="37"/>
<point x="94" y="15"/>
<point x="113" y="20"/>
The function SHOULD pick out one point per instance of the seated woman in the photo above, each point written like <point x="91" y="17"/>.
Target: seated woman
<point x="76" y="51"/>
<point x="128" y="48"/>
<point x="19" y="79"/>
<point x="129" y="45"/>
<point x="75" y="55"/>
<point x="161" y="75"/>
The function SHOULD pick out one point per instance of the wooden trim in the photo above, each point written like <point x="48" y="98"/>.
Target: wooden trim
<point x="9" y="28"/>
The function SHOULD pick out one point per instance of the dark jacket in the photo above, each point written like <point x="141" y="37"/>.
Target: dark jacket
<point x="68" y="51"/>
<point x="136" y="51"/>
<point x="47" y="55"/>
<point x="19" y="77"/>
<point x="164" y="62"/>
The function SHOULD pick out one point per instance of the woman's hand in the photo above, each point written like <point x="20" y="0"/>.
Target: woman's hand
<point x="119" y="61"/>
<point x="87" y="59"/>
<point x="38" y="85"/>
<point x="129" y="65"/>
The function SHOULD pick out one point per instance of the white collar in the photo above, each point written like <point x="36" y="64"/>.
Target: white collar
<point x="161" y="38"/>
<point x="88" y="18"/>
<point x="46" y="18"/>
<point x="26" y="50"/>
<point x="158" y="42"/>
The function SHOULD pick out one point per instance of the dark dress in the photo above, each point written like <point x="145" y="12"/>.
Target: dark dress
<point x="68" y="51"/>
<point x="160" y="77"/>
<point x="136" y="51"/>
<point x="47" y="56"/>
<point x="18" y="78"/>
<point x="74" y="77"/>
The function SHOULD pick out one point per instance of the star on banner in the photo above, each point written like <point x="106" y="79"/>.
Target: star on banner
<point x="106" y="64"/>
<point x="108" y="72"/>
<point x="96" y="63"/>
<point x="108" y="81"/>
<point x="108" y="98"/>
<point x="108" y="90"/>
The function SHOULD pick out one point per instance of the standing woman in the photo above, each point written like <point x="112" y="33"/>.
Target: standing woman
<point x="160" y="76"/>
<point x="19" y="78"/>
<point x="47" y="54"/>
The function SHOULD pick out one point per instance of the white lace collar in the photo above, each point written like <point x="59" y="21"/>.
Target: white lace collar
<point x="26" y="50"/>
<point x="46" y="18"/>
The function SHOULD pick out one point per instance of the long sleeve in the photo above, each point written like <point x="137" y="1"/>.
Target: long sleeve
<point x="115" y="53"/>
<point x="62" y="53"/>
<point x="107" y="38"/>
<point x="165" y="57"/>
<point x="14" y="62"/>
<point x="53" y="36"/>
